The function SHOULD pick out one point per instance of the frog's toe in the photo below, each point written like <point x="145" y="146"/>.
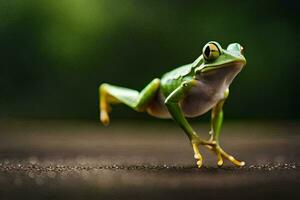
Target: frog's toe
<point x="220" y="163"/>
<point x="104" y="118"/>
<point x="236" y="162"/>
<point x="220" y="159"/>
<point x="199" y="163"/>
<point x="197" y="155"/>
<point x="222" y="154"/>
<point x="232" y="159"/>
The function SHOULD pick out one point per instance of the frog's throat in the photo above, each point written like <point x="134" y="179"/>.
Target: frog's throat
<point x="240" y="64"/>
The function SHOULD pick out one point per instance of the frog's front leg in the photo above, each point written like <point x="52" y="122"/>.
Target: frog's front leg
<point x="216" y="124"/>
<point x="172" y="103"/>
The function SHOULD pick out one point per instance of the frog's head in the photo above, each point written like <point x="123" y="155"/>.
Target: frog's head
<point x="214" y="57"/>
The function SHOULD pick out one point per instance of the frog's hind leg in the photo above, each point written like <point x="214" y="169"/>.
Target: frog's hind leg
<point x="216" y="124"/>
<point x="110" y="94"/>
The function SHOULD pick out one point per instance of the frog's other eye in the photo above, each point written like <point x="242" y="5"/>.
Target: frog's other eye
<point x="242" y="50"/>
<point x="211" y="51"/>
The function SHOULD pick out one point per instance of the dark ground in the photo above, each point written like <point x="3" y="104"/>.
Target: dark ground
<point x="137" y="160"/>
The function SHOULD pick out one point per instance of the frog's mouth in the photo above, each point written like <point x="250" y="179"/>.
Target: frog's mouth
<point x="224" y="73"/>
<point x="236" y="65"/>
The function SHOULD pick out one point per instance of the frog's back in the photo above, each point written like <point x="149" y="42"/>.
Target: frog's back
<point x="171" y="80"/>
<point x="177" y="73"/>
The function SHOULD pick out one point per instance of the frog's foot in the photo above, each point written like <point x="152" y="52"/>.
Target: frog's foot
<point x="197" y="154"/>
<point x="222" y="154"/>
<point x="104" y="117"/>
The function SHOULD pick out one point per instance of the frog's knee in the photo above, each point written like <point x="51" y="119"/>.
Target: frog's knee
<point x="156" y="81"/>
<point x="103" y="87"/>
<point x="226" y="93"/>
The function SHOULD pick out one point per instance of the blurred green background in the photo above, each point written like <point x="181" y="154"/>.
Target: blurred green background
<point x="55" y="54"/>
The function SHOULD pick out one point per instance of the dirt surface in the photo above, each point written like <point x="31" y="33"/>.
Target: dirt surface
<point x="137" y="160"/>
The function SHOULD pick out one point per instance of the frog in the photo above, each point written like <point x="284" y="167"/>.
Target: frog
<point x="186" y="92"/>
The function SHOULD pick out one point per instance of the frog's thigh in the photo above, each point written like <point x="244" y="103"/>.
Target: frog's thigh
<point x="147" y="94"/>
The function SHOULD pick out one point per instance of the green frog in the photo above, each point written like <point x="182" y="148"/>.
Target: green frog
<point x="186" y="92"/>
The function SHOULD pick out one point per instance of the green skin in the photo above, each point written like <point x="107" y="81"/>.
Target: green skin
<point x="187" y="91"/>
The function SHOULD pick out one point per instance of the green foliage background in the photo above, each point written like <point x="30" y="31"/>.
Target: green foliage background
<point x="54" y="54"/>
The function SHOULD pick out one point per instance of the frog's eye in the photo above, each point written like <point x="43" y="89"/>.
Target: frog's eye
<point x="211" y="51"/>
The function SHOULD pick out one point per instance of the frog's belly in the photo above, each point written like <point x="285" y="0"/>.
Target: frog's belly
<point x="201" y="99"/>
<point x="198" y="101"/>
